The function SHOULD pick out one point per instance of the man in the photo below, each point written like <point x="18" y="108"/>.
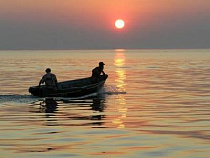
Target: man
<point x="49" y="79"/>
<point x="97" y="71"/>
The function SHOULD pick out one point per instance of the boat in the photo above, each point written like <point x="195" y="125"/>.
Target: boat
<point x="71" y="88"/>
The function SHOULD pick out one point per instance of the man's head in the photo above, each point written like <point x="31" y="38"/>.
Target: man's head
<point x="101" y="64"/>
<point x="48" y="70"/>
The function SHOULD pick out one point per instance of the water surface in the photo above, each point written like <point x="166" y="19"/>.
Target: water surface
<point x="155" y="104"/>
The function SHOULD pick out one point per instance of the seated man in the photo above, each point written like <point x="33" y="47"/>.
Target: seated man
<point x="49" y="79"/>
<point x="96" y="72"/>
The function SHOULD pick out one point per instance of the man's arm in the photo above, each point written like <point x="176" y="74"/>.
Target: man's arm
<point x="103" y="73"/>
<point x="56" y="81"/>
<point x="42" y="80"/>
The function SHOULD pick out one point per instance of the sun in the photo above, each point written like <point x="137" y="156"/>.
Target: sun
<point x="119" y="24"/>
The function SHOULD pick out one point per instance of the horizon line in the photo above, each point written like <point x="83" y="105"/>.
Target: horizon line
<point x="107" y="49"/>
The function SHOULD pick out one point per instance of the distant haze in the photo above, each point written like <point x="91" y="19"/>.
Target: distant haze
<point x="89" y="24"/>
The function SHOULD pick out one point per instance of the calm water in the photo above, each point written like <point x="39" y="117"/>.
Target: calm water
<point x="155" y="104"/>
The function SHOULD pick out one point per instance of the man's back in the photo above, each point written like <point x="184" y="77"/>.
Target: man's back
<point x="96" y="72"/>
<point x="50" y="80"/>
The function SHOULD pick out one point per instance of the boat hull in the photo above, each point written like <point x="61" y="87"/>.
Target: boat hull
<point x="72" y="88"/>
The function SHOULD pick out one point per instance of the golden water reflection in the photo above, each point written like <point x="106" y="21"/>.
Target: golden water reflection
<point x="119" y="62"/>
<point x="120" y="78"/>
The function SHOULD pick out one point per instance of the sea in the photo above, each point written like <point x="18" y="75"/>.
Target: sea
<point x="154" y="104"/>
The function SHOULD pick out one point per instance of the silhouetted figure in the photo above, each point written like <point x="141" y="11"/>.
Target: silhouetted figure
<point x="49" y="79"/>
<point x="97" y="71"/>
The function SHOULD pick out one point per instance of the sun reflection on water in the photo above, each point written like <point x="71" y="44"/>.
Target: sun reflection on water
<point x="119" y="62"/>
<point x="120" y="78"/>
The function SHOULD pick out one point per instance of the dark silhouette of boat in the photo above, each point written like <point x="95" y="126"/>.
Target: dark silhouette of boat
<point x="71" y="88"/>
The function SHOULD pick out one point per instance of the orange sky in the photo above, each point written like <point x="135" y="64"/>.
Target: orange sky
<point x="99" y="15"/>
<point x="102" y="10"/>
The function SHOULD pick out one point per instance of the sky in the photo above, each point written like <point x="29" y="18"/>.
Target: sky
<point x="89" y="24"/>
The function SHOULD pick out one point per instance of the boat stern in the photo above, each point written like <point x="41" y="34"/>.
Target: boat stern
<point x="34" y="90"/>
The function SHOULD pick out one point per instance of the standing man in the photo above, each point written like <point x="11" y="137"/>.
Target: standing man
<point x="49" y="79"/>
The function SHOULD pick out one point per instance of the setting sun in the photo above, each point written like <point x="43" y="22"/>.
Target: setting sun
<point x="119" y="24"/>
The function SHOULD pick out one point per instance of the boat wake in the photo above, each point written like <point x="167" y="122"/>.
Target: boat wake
<point x="110" y="90"/>
<point x="17" y="99"/>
